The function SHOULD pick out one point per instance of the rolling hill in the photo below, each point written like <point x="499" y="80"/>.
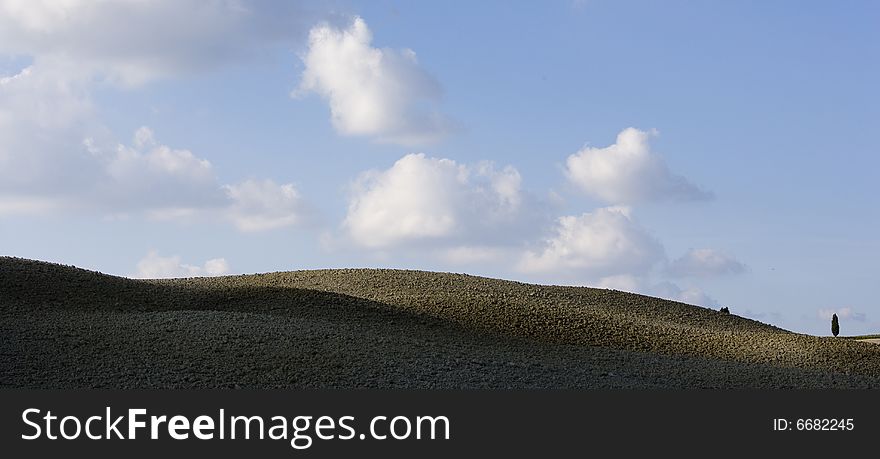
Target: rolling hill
<point x="65" y="327"/>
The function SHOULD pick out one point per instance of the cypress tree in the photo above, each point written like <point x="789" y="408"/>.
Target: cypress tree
<point x="835" y="326"/>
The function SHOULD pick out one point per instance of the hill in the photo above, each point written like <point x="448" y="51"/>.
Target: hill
<point x="67" y="327"/>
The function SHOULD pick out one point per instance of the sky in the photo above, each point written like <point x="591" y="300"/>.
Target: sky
<point x="717" y="153"/>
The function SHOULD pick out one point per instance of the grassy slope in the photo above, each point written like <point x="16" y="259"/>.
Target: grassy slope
<point x="388" y="328"/>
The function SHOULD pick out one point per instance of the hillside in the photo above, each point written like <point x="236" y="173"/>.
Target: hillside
<point x="66" y="327"/>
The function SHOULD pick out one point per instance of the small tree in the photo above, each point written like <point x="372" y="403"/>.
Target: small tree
<point x="835" y="326"/>
<point x="725" y="310"/>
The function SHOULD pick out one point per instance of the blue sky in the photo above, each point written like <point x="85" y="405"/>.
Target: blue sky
<point x="718" y="153"/>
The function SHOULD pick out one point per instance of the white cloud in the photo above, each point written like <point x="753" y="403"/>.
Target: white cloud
<point x="154" y="176"/>
<point x="131" y="42"/>
<point x="260" y="205"/>
<point x="147" y="176"/>
<point x="216" y="267"/>
<point x="56" y="154"/>
<point x="842" y="313"/>
<point x="28" y="205"/>
<point x="42" y="123"/>
<point x="705" y="262"/>
<point x="45" y="96"/>
<point x="154" y="266"/>
<point x="622" y="282"/>
<point x="375" y="92"/>
<point x="54" y="149"/>
<point x="46" y="110"/>
<point x="628" y="172"/>
<point x="605" y="242"/>
<point x="422" y="198"/>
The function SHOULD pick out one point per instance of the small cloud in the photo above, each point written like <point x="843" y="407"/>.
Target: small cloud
<point x="216" y="267"/>
<point x="261" y="205"/>
<point x="773" y="317"/>
<point x="666" y="290"/>
<point x="703" y="263"/>
<point x="842" y="313"/>
<point x="605" y="242"/>
<point x="156" y="176"/>
<point x="690" y="295"/>
<point x="155" y="266"/>
<point x="622" y="282"/>
<point x="628" y="172"/>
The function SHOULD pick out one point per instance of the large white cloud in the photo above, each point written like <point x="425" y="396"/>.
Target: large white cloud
<point x="628" y="172"/>
<point x="55" y="154"/>
<point x="602" y="243"/>
<point x="704" y="262"/>
<point x="146" y="177"/>
<point x="423" y="199"/>
<point x="155" y="266"/>
<point x="134" y="41"/>
<point x="376" y="92"/>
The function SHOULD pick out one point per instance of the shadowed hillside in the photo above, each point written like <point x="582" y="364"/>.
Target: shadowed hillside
<point x="66" y="327"/>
